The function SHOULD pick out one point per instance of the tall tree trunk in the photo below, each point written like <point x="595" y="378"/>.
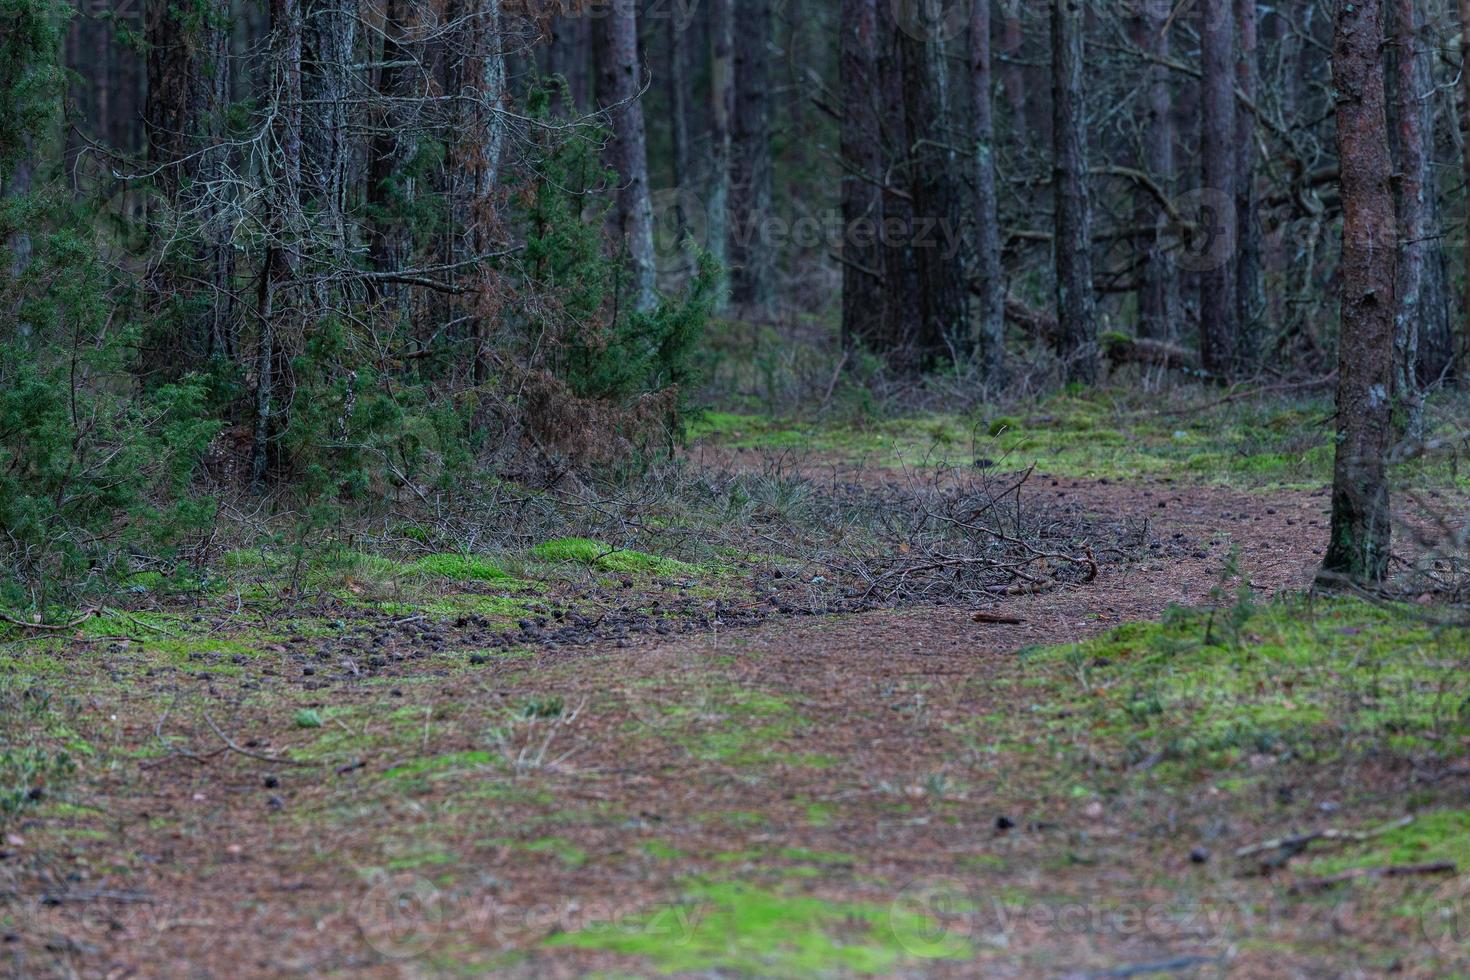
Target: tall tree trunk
<point x="1076" y="305"/>
<point x="901" y="320"/>
<point x="862" y="179"/>
<point x="1424" y="344"/>
<point x="281" y="266"/>
<point x="1217" y="309"/>
<point x="1158" y="294"/>
<point x="329" y="54"/>
<point x="933" y="173"/>
<point x="187" y="91"/>
<point x="619" y="85"/>
<point x="390" y="185"/>
<point x="990" y="323"/>
<point x="1250" y="297"/>
<point x="722" y="106"/>
<point x="1361" y="529"/>
<point x="752" y="269"/>
<point x="1463" y="8"/>
<point x="677" y="37"/>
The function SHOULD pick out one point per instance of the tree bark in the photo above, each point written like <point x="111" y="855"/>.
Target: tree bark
<point x="1158" y="295"/>
<point x="990" y="322"/>
<point x="1424" y="345"/>
<point x="722" y="105"/>
<point x="187" y="91"/>
<point x="899" y="345"/>
<point x="1072" y="243"/>
<point x="932" y="170"/>
<point x="1250" y="298"/>
<point x="862" y="179"/>
<point x="390" y="186"/>
<point x="619" y="90"/>
<point x="752" y="269"/>
<point x="1360" y="542"/>
<point x="329" y="53"/>
<point x="1463" y="9"/>
<point x="1217" y="307"/>
<point x="281" y="266"/>
<point x="677" y="37"/>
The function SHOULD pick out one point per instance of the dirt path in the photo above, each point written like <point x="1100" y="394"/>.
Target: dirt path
<point x="843" y="762"/>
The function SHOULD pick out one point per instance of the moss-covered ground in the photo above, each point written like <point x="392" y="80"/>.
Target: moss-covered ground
<point x="411" y="765"/>
<point x="1118" y="435"/>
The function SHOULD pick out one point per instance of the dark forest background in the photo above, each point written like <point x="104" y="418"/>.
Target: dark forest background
<point x="327" y="252"/>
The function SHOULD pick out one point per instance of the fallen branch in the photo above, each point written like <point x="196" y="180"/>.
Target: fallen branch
<point x="1289" y="847"/>
<point x="23" y="624"/>
<point x="261" y="756"/>
<point x="1122" y="349"/>
<point x="998" y="619"/>
<point x="1454" y="772"/>
<point x="1384" y="871"/>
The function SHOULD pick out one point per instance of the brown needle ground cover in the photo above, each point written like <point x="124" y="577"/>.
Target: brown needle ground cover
<point x="733" y="789"/>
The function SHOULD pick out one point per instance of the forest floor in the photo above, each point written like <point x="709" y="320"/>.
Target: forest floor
<point x="658" y="768"/>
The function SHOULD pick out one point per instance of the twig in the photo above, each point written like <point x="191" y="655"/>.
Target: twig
<point x="234" y="747"/>
<point x="1291" y="846"/>
<point x="1384" y="871"/>
<point x="1000" y="620"/>
<point x="86" y="615"/>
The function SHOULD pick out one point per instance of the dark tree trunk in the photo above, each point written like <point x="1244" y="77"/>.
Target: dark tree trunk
<point x="1076" y="305"/>
<point x="281" y="266"/>
<point x="1359" y="547"/>
<point x="1158" y="294"/>
<point x="1463" y="8"/>
<point x="619" y="85"/>
<point x="862" y="179"/>
<point x="1250" y="298"/>
<point x="187" y="91"/>
<point x="677" y="37"/>
<point x="1424" y="346"/>
<point x="329" y="53"/>
<point x="990" y="314"/>
<point x="933" y="173"/>
<point x="900" y="269"/>
<point x="752" y="266"/>
<point x="390" y="188"/>
<point x="1217" y="308"/>
<point x="722" y="107"/>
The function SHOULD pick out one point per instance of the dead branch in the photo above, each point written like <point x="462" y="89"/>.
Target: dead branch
<point x="1384" y="871"/>
<point x="233" y="746"/>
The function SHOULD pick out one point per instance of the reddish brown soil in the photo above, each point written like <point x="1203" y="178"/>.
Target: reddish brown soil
<point x="229" y="866"/>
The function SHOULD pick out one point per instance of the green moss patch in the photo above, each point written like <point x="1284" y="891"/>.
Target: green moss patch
<point x="464" y="568"/>
<point x="739" y="929"/>
<point x="595" y="554"/>
<point x="1295" y="678"/>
